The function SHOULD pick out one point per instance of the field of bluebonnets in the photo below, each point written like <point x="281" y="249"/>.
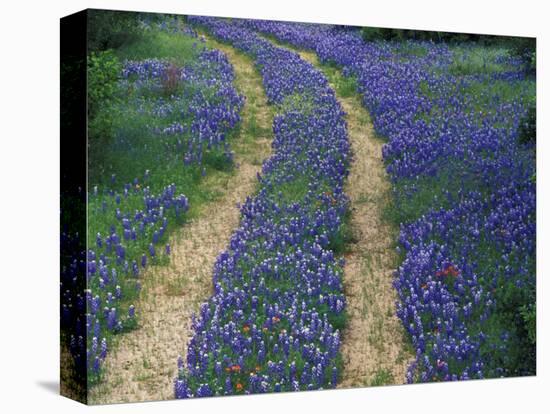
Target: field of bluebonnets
<point x="457" y="117"/>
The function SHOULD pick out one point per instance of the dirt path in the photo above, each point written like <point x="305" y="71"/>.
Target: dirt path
<point x="143" y="365"/>
<point x="373" y="347"/>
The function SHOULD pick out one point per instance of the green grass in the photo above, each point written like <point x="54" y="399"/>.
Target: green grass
<point x="472" y="60"/>
<point x="122" y="137"/>
<point x="340" y="242"/>
<point x="345" y="86"/>
<point x="123" y="142"/>
<point x="413" y="198"/>
<point x="382" y="377"/>
<point x="294" y="190"/>
<point x="161" y="45"/>
<point x="484" y="93"/>
<point x="413" y="49"/>
<point x="297" y="102"/>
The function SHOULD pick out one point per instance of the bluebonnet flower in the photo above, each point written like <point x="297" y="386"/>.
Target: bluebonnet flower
<point x="111" y="319"/>
<point x="103" y="353"/>
<point x="441" y="298"/>
<point x="276" y="242"/>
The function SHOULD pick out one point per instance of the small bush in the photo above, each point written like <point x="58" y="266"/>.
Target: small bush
<point x="527" y="133"/>
<point x="525" y="49"/>
<point x="171" y="80"/>
<point x="108" y="29"/>
<point x="376" y="33"/>
<point x="516" y="316"/>
<point x="379" y="33"/>
<point x="104" y="71"/>
<point x="529" y="314"/>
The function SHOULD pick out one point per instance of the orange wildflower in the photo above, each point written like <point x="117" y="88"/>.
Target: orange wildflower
<point x="449" y="270"/>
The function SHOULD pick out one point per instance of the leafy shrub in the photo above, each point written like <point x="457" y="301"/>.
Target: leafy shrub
<point x="529" y="315"/>
<point x="524" y="48"/>
<point x="378" y="33"/>
<point x="528" y="126"/>
<point x="108" y="29"/>
<point x="515" y="315"/>
<point x="104" y="71"/>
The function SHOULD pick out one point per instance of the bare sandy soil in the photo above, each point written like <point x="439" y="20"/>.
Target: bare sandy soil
<point x="373" y="346"/>
<point x="144" y="363"/>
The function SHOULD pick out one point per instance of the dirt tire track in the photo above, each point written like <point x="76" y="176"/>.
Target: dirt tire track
<point x="143" y="366"/>
<point x="374" y="348"/>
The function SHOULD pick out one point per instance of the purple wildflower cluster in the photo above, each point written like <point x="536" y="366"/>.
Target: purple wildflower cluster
<point x="201" y="109"/>
<point x="273" y="321"/>
<point x="128" y="224"/>
<point x="469" y="258"/>
<point x="138" y="221"/>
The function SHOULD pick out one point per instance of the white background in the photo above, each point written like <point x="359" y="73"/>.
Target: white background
<point x="29" y="171"/>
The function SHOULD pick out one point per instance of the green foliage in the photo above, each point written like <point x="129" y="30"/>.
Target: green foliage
<point x="346" y="86"/>
<point x="104" y="71"/>
<point x="109" y="29"/>
<point x="522" y="47"/>
<point x="297" y="102"/>
<point x="382" y="377"/>
<point x="412" y="49"/>
<point x="339" y="243"/>
<point x="122" y="128"/>
<point x="293" y="190"/>
<point x="529" y="314"/>
<point x="161" y="45"/>
<point x="338" y="320"/>
<point x="472" y="60"/>
<point x="516" y="315"/>
<point x="511" y="329"/>
<point x="379" y="33"/>
<point x="528" y="128"/>
<point x="525" y="48"/>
